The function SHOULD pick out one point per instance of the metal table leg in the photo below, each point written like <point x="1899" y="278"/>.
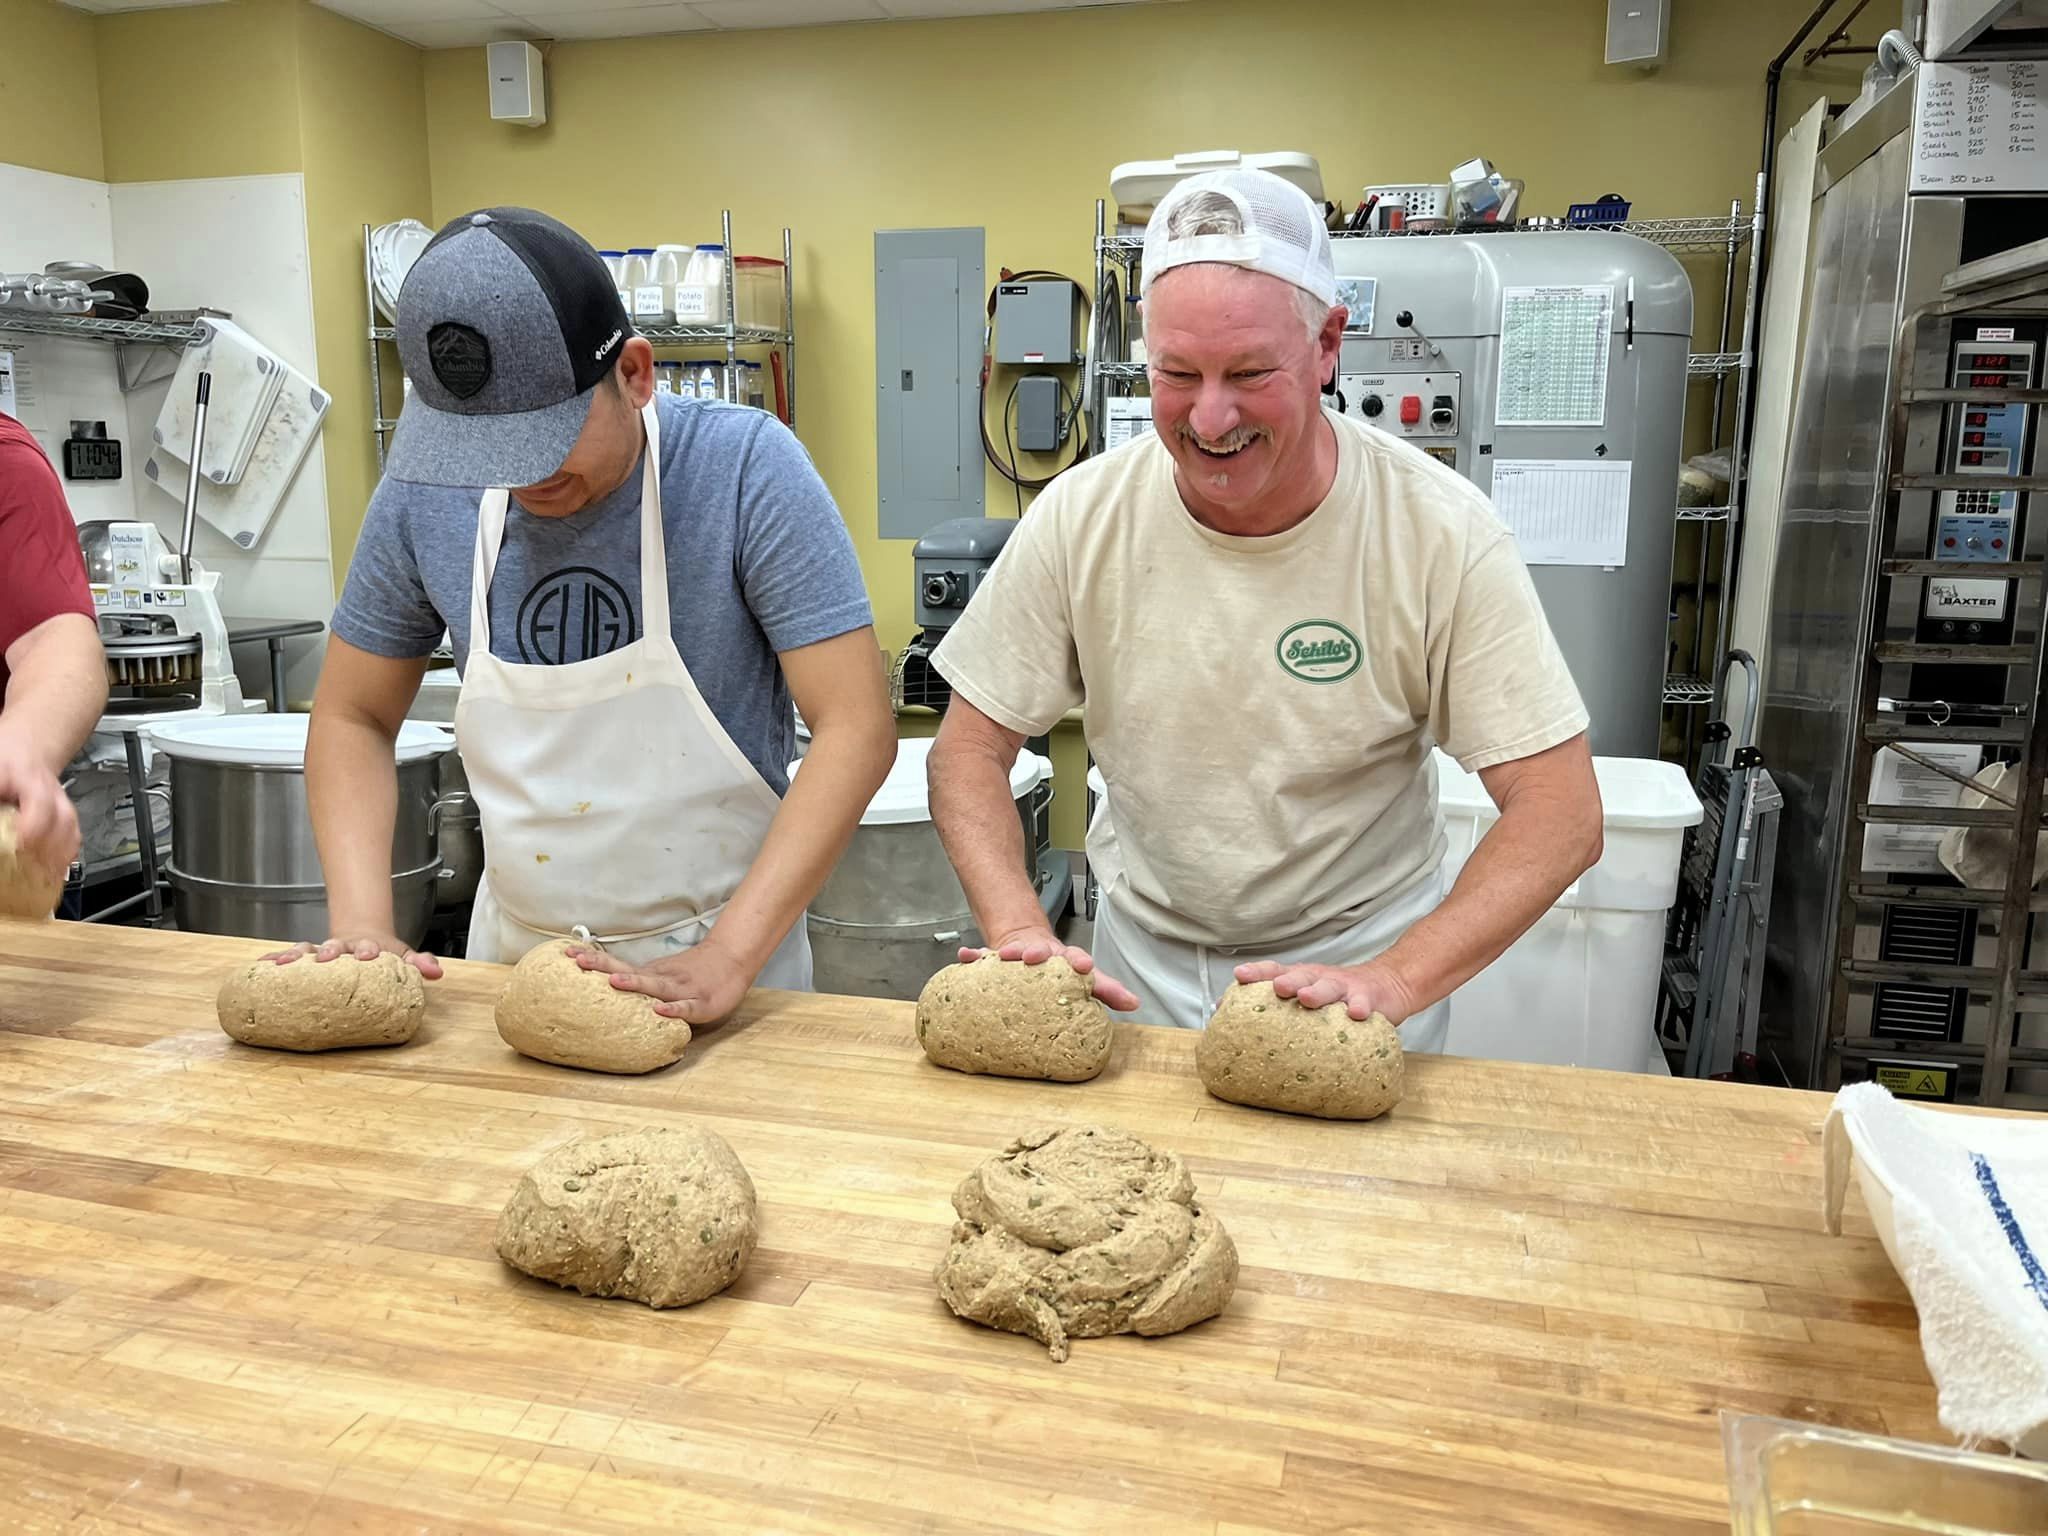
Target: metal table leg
<point x="276" y="644"/>
<point x="145" y="828"/>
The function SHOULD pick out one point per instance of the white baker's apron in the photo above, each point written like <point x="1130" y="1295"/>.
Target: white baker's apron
<point x="614" y="805"/>
<point x="1179" y="983"/>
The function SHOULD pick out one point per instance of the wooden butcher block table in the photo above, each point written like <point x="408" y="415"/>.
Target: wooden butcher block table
<point x="244" y="1290"/>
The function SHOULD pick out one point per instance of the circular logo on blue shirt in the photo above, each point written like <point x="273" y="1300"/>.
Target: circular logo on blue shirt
<point x="573" y="615"/>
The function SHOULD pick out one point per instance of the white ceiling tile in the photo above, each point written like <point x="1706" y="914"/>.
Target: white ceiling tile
<point x="906" y="10"/>
<point x="457" y="34"/>
<point x="741" y="14"/>
<point x="614" y="21"/>
<point x="396" y="14"/>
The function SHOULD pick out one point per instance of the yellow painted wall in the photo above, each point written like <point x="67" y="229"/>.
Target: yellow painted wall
<point x="840" y="131"/>
<point x="289" y="87"/>
<point x="49" y="90"/>
<point x="203" y="90"/>
<point x="363" y="134"/>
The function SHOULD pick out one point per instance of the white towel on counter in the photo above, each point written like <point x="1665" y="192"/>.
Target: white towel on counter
<point x="1968" y="1232"/>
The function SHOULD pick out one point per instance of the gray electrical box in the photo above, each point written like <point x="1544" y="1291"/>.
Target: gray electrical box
<point x="929" y="295"/>
<point x="1035" y="322"/>
<point x="1038" y="413"/>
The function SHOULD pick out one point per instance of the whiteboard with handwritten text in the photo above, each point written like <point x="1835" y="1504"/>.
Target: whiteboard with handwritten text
<point x="1979" y="128"/>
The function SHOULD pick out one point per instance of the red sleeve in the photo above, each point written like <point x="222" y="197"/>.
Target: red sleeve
<point x="42" y="574"/>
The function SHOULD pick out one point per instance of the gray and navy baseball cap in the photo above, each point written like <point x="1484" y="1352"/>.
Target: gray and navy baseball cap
<point x="506" y="323"/>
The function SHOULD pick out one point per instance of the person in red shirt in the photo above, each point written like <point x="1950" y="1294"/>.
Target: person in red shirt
<point x="53" y="673"/>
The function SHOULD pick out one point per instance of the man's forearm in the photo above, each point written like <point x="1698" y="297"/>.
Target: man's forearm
<point x="1513" y="877"/>
<point x="977" y="821"/>
<point x="352" y="789"/>
<point x="56" y="691"/>
<point x="804" y="842"/>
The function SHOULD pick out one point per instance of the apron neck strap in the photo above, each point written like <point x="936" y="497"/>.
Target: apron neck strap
<point x="490" y="538"/>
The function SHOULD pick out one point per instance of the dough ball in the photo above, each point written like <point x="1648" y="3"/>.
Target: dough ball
<point x="1081" y="1232"/>
<point x="1270" y="1052"/>
<point x="665" y="1217"/>
<point x="314" y="1005"/>
<point x="1014" y="1020"/>
<point x="27" y="888"/>
<point x="554" y="1010"/>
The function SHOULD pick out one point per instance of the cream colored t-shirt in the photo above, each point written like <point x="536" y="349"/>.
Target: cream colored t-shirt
<point x="1263" y="708"/>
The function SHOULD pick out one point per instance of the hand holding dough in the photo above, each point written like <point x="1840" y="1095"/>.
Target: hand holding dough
<point x="665" y="1216"/>
<point x="316" y="1005"/>
<point x="554" y="1010"/>
<point x="1081" y="1232"/>
<point x="1015" y="1020"/>
<point x="1268" y="1051"/>
<point x="27" y="888"/>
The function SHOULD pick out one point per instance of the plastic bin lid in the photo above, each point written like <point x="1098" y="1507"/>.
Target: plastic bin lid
<point x="902" y="799"/>
<point x="757" y="261"/>
<point x="1635" y="792"/>
<point x="276" y="741"/>
<point x="1141" y="183"/>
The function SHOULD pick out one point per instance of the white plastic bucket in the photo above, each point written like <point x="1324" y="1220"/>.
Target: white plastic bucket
<point x="1580" y="987"/>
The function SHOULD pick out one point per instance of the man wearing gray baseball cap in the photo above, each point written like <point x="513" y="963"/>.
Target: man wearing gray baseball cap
<point x="1270" y="612"/>
<point x="632" y="618"/>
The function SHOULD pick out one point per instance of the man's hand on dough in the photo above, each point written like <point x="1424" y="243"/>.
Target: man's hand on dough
<point x="45" y="822"/>
<point x="1035" y="946"/>
<point x="363" y="946"/>
<point x="1364" y="990"/>
<point x="700" y="985"/>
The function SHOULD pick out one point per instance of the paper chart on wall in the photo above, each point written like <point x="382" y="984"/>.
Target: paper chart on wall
<point x="1565" y="511"/>
<point x="1553" y="356"/>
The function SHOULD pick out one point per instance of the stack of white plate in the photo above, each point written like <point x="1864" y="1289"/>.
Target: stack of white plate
<point x="394" y="248"/>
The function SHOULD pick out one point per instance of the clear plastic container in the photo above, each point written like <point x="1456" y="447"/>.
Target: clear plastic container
<point x="700" y="292"/>
<point x="1787" y="1477"/>
<point x="664" y="269"/>
<point x="757" y="291"/>
<point x="615" y="263"/>
<point x="647" y="306"/>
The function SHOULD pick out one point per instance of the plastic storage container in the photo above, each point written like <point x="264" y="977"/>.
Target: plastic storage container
<point x="700" y="291"/>
<point x="1580" y="987"/>
<point x="757" y="291"/>
<point x="1787" y="1477"/>
<point x="892" y="911"/>
<point x="615" y="263"/>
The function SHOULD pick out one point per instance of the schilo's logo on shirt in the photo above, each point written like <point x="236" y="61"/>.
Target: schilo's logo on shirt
<point x="1318" y="651"/>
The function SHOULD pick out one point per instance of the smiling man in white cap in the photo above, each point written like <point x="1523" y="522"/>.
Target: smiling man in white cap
<point x="631" y="619"/>
<point x="1269" y="613"/>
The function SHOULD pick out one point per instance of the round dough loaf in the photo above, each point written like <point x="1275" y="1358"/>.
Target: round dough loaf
<point x="1270" y="1052"/>
<point x="665" y="1216"/>
<point x="323" y="1005"/>
<point x="1010" y="1019"/>
<point x="554" y="1010"/>
<point x="27" y="889"/>
<point x="1084" y="1231"/>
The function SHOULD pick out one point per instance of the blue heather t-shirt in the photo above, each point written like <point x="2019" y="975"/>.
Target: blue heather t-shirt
<point x="759" y="561"/>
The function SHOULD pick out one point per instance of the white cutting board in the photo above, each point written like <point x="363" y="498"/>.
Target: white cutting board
<point x="243" y="510"/>
<point x="246" y="379"/>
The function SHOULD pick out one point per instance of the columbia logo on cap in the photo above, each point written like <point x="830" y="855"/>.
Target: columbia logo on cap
<point x="609" y="342"/>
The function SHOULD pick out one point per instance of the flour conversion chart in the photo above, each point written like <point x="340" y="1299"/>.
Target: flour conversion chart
<point x="1553" y="356"/>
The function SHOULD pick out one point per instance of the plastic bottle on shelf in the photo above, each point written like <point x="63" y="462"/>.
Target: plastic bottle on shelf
<point x="700" y="293"/>
<point x="646" y="308"/>
<point x="615" y="263"/>
<point x="664" y="269"/>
